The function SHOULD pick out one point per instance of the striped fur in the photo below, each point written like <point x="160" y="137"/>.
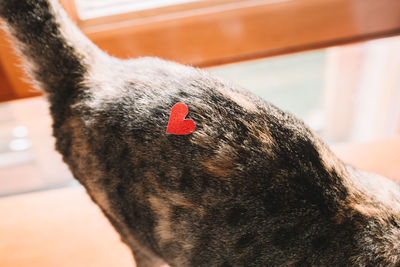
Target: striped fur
<point x="252" y="186"/>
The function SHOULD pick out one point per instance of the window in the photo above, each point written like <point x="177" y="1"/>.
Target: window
<point x="346" y="93"/>
<point x="88" y="9"/>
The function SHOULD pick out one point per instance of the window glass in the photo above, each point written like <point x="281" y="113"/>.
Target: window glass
<point x="88" y="9"/>
<point x="347" y="93"/>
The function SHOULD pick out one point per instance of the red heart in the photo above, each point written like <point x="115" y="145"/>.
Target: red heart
<point x="177" y="123"/>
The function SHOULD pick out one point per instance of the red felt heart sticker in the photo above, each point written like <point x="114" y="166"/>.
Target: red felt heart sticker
<point x="177" y="123"/>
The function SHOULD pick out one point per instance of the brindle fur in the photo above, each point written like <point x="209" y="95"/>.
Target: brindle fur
<point x="252" y="186"/>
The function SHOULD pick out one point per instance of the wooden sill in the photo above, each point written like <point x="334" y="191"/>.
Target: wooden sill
<point x="208" y="32"/>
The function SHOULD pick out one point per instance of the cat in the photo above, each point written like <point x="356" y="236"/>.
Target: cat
<point x="250" y="186"/>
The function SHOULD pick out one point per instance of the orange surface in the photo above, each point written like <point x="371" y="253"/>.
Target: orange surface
<point x="60" y="228"/>
<point x="381" y="156"/>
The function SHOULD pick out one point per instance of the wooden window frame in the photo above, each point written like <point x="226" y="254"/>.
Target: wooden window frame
<point x="212" y="32"/>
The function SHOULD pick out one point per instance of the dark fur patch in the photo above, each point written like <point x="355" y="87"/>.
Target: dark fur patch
<point x="252" y="186"/>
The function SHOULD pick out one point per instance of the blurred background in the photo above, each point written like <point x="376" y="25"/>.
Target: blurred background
<point x="333" y="63"/>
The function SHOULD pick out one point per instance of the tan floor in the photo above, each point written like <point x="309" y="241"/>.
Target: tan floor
<point x="60" y="228"/>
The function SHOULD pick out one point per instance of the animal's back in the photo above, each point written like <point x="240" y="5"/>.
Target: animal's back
<point x="251" y="186"/>
<point x="236" y="192"/>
